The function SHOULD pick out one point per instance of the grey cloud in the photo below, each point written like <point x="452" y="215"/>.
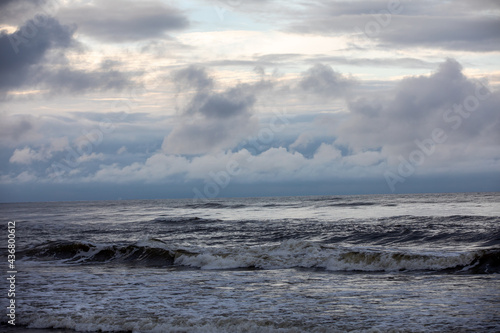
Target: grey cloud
<point x="208" y="135"/>
<point x="386" y="62"/>
<point x="233" y="62"/>
<point x="22" y="50"/>
<point x="212" y="120"/>
<point x="324" y="81"/>
<point x="416" y="107"/>
<point x="193" y="76"/>
<point x="164" y="47"/>
<point x="266" y="60"/>
<point x="412" y="24"/>
<point x="276" y="60"/>
<point x="17" y="129"/>
<point x="124" y="21"/>
<point x="24" y="61"/>
<point x="231" y="103"/>
<point x="13" y="11"/>
<point x="470" y="34"/>
<point x="78" y="81"/>
<point x="108" y="64"/>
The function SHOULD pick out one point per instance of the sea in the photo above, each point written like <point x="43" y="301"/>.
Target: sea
<point x="370" y="263"/>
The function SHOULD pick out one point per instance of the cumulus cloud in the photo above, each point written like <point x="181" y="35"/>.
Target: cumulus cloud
<point x="273" y="165"/>
<point x="28" y="155"/>
<point x="464" y="109"/>
<point x="125" y="21"/>
<point x="157" y="167"/>
<point x="211" y="119"/>
<point x="89" y="157"/>
<point x="324" y="81"/>
<point x="24" y="61"/>
<point x="24" y="49"/>
<point x="214" y="119"/>
<point x="302" y="141"/>
<point x="121" y="150"/>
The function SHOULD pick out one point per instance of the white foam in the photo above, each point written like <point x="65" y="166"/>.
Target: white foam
<point x="94" y="322"/>
<point x="296" y="253"/>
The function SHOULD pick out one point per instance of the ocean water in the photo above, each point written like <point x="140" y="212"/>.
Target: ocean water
<point x="380" y="263"/>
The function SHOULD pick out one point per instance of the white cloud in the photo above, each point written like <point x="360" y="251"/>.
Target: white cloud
<point x="89" y="157"/>
<point x="26" y="156"/>
<point x="59" y="144"/>
<point x="23" y="177"/>
<point x="157" y="167"/>
<point x="302" y="141"/>
<point x="122" y="150"/>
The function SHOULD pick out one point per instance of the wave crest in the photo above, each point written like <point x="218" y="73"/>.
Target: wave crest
<point x="288" y="254"/>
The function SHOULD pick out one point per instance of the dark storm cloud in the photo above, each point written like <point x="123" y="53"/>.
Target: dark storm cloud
<point x="231" y="103"/>
<point x="15" y="12"/>
<point x="22" y="50"/>
<point x="5" y="3"/>
<point x="125" y="21"/>
<point x="421" y="104"/>
<point x="24" y="61"/>
<point x="211" y="120"/>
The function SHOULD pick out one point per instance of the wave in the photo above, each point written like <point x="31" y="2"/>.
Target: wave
<point x="353" y="204"/>
<point x="214" y="205"/>
<point x="182" y="219"/>
<point x="288" y="254"/>
<point x="85" y="253"/>
<point x="422" y="231"/>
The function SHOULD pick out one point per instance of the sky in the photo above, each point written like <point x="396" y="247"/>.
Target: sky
<point x="202" y="99"/>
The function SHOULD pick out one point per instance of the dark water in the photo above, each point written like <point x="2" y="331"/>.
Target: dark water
<point x="410" y="263"/>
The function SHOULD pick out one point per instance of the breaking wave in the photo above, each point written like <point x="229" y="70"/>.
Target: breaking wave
<point x="288" y="254"/>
